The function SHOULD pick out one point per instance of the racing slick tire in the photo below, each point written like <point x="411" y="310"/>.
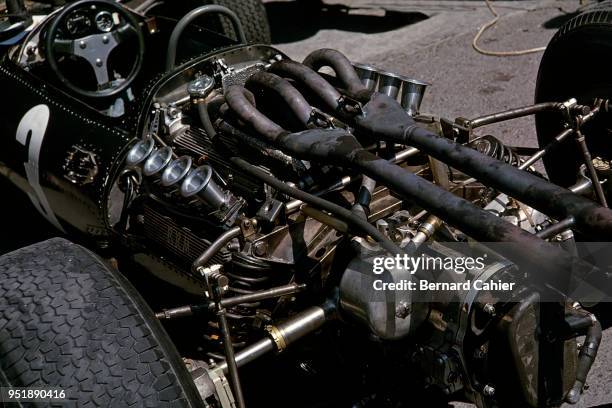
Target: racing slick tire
<point x="71" y="322"/>
<point x="575" y="64"/>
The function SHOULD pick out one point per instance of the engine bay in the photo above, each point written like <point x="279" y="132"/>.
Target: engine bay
<point x="306" y="226"/>
<point x="232" y="143"/>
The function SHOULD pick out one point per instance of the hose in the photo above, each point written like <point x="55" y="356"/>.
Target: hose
<point x="586" y="357"/>
<point x="364" y="197"/>
<point x="205" y="119"/>
<point x="341" y="212"/>
<point x="294" y="99"/>
<point x="490" y="24"/>
<point x="221" y="241"/>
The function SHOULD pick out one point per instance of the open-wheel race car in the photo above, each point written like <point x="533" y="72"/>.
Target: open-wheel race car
<point x="241" y="229"/>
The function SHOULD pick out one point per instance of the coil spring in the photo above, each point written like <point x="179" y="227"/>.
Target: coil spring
<point x="493" y="147"/>
<point x="246" y="276"/>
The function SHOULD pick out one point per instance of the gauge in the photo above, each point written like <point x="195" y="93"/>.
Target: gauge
<point x="78" y="23"/>
<point x="104" y="21"/>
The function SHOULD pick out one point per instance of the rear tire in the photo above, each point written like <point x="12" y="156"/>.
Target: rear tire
<point x="576" y="64"/>
<point x="69" y="321"/>
<point x="252" y="15"/>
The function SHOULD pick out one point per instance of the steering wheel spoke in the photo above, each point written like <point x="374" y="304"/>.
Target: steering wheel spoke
<point x="96" y="50"/>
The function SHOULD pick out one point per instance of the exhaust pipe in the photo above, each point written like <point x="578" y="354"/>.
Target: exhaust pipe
<point x="338" y="146"/>
<point x="412" y="95"/>
<point x="384" y="119"/>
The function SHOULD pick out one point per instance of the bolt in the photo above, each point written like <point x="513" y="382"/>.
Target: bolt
<point x="402" y="310"/>
<point x="601" y="164"/>
<point x="82" y="44"/>
<point x="173" y="113"/>
<point x="489" y="309"/>
<point x="105" y="39"/>
<point x="488" y="390"/>
<point x="98" y="62"/>
<point x="260" y="248"/>
<point x="481" y="352"/>
<point x="214" y="274"/>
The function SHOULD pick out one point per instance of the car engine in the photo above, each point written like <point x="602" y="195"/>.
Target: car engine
<point x="291" y="197"/>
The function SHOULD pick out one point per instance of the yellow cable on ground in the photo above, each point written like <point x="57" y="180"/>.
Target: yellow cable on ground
<point x="490" y="24"/>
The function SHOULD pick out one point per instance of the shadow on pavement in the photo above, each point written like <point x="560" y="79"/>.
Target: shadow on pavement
<point x="557" y="21"/>
<point x="297" y="20"/>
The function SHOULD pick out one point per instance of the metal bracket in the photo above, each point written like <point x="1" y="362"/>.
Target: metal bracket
<point x="350" y="105"/>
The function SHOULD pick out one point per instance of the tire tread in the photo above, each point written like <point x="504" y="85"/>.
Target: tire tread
<point x="67" y="320"/>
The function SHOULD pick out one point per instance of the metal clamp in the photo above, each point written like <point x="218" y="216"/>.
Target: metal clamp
<point x="277" y="338"/>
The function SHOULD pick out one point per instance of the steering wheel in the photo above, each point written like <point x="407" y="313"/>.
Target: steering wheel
<point x="95" y="28"/>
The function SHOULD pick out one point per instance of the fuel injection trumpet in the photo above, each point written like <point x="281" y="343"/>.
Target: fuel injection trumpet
<point x="180" y="176"/>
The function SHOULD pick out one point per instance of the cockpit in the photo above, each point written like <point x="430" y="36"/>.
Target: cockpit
<point x="105" y="53"/>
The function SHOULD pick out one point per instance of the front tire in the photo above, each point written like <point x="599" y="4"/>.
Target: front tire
<point x="69" y="321"/>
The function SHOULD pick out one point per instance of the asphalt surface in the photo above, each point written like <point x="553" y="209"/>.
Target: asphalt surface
<point x="431" y="41"/>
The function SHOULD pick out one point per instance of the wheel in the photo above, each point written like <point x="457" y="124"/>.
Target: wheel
<point x="69" y="321"/>
<point x="252" y="15"/>
<point x="575" y="64"/>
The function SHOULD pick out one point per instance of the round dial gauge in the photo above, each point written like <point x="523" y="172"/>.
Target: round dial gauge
<point x="104" y="21"/>
<point x="78" y="23"/>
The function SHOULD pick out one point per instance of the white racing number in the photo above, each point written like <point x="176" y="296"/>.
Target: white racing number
<point x="30" y="133"/>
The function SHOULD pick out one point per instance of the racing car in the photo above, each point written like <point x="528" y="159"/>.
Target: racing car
<point x="234" y="228"/>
